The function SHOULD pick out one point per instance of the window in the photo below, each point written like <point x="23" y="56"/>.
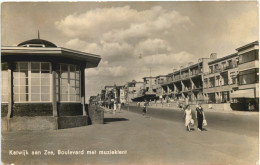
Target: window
<point x="217" y="81"/>
<point x="224" y="65"/>
<point x="248" y="57"/>
<point x="211" y="98"/>
<point x="210" y="69"/>
<point x="233" y="76"/>
<point x="68" y="83"/>
<point x="211" y="82"/>
<point x="216" y="68"/>
<point x="248" y="77"/>
<point x="229" y="63"/>
<point x="224" y="79"/>
<point x="32" y="82"/>
<point x="4" y="81"/>
<point x="225" y="96"/>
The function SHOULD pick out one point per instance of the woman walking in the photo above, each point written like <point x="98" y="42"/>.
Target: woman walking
<point x="200" y="116"/>
<point x="188" y="117"/>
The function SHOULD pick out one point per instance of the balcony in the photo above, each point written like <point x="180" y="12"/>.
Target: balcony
<point x="223" y="69"/>
<point x="169" y="80"/>
<point x="217" y="70"/>
<point x="185" y="76"/>
<point x="186" y="89"/>
<point x="230" y="67"/>
<point x="197" y="87"/>
<point x="163" y="82"/>
<point x="177" y="78"/>
<point x="195" y="72"/>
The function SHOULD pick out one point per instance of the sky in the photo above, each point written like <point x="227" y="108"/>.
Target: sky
<point x="134" y="39"/>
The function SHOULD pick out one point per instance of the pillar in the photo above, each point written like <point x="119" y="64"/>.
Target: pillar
<point x="10" y="91"/>
<point x="54" y="92"/>
<point x="175" y="88"/>
<point x="182" y="86"/>
<point x="82" y="84"/>
<point x="192" y="84"/>
<point x="168" y="89"/>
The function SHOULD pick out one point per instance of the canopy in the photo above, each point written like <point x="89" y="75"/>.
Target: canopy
<point x="247" y="93"/>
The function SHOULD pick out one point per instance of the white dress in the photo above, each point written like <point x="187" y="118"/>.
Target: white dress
<point x="187" y="117"/>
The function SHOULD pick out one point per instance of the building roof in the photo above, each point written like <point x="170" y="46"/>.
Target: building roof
<point x="223" y="58"/>
<point x="149" y="77"/>
<point x="91" y="60"/>
<point x="248" y="45"/>
<point x="37" y="43"/>
<point x="43" y="48"/>
<point x="161" y="76"/>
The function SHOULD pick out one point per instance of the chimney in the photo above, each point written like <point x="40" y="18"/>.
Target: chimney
<point x="213" y="55"/>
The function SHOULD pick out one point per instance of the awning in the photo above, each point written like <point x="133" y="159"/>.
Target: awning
<point x="247" y="93"/>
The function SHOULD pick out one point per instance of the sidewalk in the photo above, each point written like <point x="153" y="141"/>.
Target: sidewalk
<point x="147" y="141"/>
<point x="206" y="110"/>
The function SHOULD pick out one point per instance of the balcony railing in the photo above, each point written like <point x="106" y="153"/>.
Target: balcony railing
<point x="195" y="72"/>
<point x="223" y="69"/>
<point x="197" y="87"/>
<point x="185" y="76"/>
<point x="177" y="78"/>
<point x="230" y="67"/>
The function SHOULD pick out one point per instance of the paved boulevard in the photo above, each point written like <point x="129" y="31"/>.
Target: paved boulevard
<point x="147" y="140"/>
<point x="240" y="122"/>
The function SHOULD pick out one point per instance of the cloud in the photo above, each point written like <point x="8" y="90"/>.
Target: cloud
<point x="110" y="51"/>
<point x="166" y="62"/>
<point x="119" y="24"/>
<point x="130" y="42"/>
<point x="85" y="46"/>
<point x="98" y="21"/>
<point x="152" y="46"/>
<point x="107" y="71"/>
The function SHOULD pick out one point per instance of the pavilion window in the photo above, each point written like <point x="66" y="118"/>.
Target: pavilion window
<point x="32" y="82"/>
<point x="68" y="83"/>
<point x="4" y="83"/>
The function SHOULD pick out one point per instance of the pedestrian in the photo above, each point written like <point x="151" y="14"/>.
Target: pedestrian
<point x="115" y="106"/>
<point x="188" y="117"/>
<point x="119" y="106"/>
<point x="200" y="116"/>
<point x="145" y="108"/>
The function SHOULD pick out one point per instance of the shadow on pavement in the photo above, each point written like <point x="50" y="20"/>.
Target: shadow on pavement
<point x="107" y="120"/>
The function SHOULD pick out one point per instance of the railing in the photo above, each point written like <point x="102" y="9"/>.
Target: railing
<point x="217" y="70"/>
<point x="177" y="78"/>
<point x="230" y="67"/>
<point x="197" y="87"/>
<point x="170" y="79"/>
<point x="195" y="72"/>
<point x="223" y="69"/>
<point x="163" y="82"/>
<point x="185" y="76"/>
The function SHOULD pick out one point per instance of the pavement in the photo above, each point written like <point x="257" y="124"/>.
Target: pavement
<point x="137" y="140"/>
<point x="240" y="122"/>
